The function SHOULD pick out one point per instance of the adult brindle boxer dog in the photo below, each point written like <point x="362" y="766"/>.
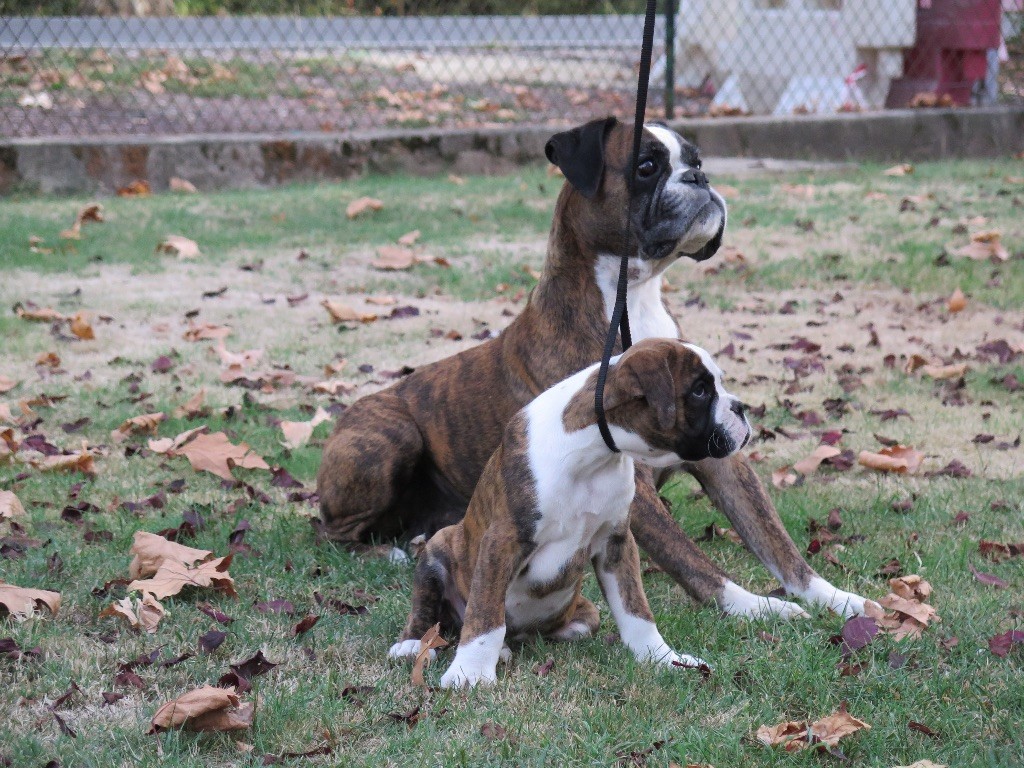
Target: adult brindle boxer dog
<point x="405" y="460"/>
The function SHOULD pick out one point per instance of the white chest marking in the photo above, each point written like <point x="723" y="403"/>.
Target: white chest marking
<point x="583" y="491"/>
<point x="648" y="318"/>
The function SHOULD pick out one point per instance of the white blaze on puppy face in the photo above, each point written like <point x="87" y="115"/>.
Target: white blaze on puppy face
<point x="734" y="425"/>
<point x="706" y="225"/>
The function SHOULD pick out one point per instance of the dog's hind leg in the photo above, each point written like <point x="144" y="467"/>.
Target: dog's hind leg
<point x="431" y="584"/>
<point x="582" y="622"/>
<point x="736" y="491"/>
<point x="367" y="463"/>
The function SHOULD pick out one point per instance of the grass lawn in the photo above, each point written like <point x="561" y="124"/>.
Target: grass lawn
<point x="831" y="281"/>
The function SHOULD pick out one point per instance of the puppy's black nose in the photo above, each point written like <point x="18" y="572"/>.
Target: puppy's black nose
<point x="693" y="176"/>
<point x="738" y="408"/>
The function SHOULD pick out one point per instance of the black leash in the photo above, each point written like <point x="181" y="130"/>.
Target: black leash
<point x="620" y="317"/>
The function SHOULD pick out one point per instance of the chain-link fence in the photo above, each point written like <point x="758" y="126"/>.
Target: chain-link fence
<point x="123" y="67"/>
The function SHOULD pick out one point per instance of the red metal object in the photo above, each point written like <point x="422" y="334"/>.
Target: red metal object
<point x="949" y="51"/>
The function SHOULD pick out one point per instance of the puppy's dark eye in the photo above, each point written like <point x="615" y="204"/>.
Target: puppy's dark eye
<point x="699" y="391"/>
<point x="698" y="164"/>
<point x="646" y="169"/>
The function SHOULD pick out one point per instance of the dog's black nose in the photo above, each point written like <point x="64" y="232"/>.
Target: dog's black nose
<point x="693" y="176"/>
<point x="738" y="408"/>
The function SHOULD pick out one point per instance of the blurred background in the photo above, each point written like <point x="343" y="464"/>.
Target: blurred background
<point x="83" y="68"/>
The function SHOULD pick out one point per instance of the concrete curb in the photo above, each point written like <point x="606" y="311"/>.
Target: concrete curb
<point x="247" y="161"/>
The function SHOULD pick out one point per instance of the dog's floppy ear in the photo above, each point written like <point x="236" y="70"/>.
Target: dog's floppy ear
<point x="579" y="154"/>
<point x="648" y="376"/>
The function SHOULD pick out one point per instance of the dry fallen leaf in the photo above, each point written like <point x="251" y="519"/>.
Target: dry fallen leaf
<point x="903" y="169"/>
<point x="77" y="461"/>
<point x="193" y="407"/>
<point x="431" y="640"/>
<point x="410" y="238"/>
<point x="245" y="359"/>
<point x="809" y="465"/>
<point x="206" y="331"/>
<point x="48" y="360"/>
<point x="140" y="614"/>
<point x="922" y="764"/>
<point x="382" y="301"/>
<point x="394" y="257"/>
<point x="81" y="327"/>
<point x="908" y="614"/>
<point x="784" y="477"/>
<point x="10" y="505"/>
<point x="363" y="205"/>
<point x="957" y="302"/>
<point x="146" y="422"/>
<point x="89" y="212"/>
<point x="334" y="386"/>
<point x="179" y="246"/>
<point x="215" y="453"/>
<point x="342" y="313"/>
<point x="795" y="735"/>
<point x="942" y="372"/>
<point x="911" y="587"/>
<point x="39" y="314"/>
<point x="185" y="186"/>
<point x="204" y="709"/>
<point x="983" y="246"/>
<point x="169" y="445"/>
<point x="137" y="188"/>
<point x="7" y="384"/>
<point x="173" y="577"/>
<point x="898" y="458"/>
<point x="298" y="433"/>
<point x="151" y="551"/>
<point x="22" y="601"/>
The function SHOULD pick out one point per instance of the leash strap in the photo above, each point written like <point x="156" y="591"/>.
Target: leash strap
<point x="620" y="317"/>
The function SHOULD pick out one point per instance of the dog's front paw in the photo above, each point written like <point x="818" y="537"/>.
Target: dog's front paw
<point x="664" y="656"/>
<point x="461" y="675"/>
<point x="687" y="661"/>
<point x="736" y="601"/>
<point x="846" y="604"/>
<point x="408" y="649"/>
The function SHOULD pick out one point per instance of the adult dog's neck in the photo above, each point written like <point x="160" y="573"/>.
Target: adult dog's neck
<point x="568" y="277"/>
<point x="581" y="271"/>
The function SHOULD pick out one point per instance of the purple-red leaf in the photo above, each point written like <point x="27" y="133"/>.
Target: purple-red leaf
<point x="858" y="632"/>
<point x="1000" y="644"/>
<point x="988" y="578"/>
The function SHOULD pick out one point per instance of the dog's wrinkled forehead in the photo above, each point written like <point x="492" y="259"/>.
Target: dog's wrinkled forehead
<point x="708" y="362"/>
<point x="681" y="153"/>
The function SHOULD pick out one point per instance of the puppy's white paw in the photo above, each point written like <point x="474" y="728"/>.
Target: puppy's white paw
<point x="408" y="649"/>
<point x="664" y="656"/>
<point x="574" y="630"/>
<point x="505" y="655"/>
<point x="687" y="661"/>
<point x="468" y="675"/>
<point x="737" y="601"/>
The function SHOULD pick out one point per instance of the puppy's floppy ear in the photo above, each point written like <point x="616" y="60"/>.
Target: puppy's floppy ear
<point x="645" y="376"/>
<point x="579" y="154"/>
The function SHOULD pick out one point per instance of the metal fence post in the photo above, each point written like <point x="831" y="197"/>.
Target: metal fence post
<point x="670" y="59"/>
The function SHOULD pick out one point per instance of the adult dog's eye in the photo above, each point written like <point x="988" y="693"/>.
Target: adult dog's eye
<point x="698" y="164"/>
<point x="646" y="169"/>
<point x="699" y="391"/>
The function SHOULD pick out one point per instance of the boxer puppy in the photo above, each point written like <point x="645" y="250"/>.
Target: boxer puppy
<point x="553" y="497"/>
<point x="406" y="460"/>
